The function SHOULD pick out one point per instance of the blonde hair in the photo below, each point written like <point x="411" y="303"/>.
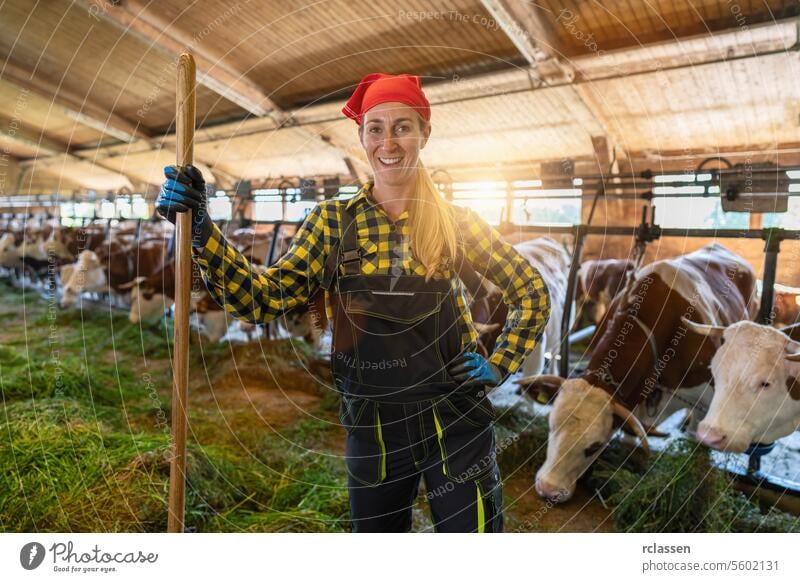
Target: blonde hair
<point x="431" y="226"/>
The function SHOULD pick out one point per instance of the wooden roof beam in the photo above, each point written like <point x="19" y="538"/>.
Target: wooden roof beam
<point x="533" y="35"/>
<point x="223" y="78"/>
<point x="74" y="106"/>
<point x="528" y="28"/>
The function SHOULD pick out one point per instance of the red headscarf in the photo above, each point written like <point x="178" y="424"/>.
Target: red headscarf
<point x="378" y="88"/>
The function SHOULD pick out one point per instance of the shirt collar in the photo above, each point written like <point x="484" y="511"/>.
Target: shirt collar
<point x="365" y="196"/>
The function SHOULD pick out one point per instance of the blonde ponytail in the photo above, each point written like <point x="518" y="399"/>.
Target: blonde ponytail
<point x="431" y="227"/>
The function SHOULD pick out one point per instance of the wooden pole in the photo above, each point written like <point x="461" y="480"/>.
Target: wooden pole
<point x="184" y="128"/>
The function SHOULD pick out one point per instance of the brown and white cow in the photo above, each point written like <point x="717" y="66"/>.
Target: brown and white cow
<point x="785" y="305"/>
<point x="756" y="372"/>
<point x="152" y="295"/>
<point x="646" y="364"/>
<point x="552" y="261"/>
<point x="10" y="256"/>
<point x="153" y="290"/>
<point x="598" y="282"/>
<point x="255" y="245"/>
<point x="111" y="267"/>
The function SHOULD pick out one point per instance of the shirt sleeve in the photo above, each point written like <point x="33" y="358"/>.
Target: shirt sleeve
<point x="524" y="291"/>
<point x="258" y="297"/>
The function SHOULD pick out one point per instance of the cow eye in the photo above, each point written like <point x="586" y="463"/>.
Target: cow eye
<point x="765" y="384"/>
<point x="592" y="449"/>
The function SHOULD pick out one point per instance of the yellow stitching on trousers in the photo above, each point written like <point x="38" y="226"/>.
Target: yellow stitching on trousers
<point x="383" y="446"/>
<point x="481" y="517"/>
<point x="439" y="437"/>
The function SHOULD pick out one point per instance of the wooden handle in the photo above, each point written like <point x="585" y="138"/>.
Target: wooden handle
<point x="184" y="129"/>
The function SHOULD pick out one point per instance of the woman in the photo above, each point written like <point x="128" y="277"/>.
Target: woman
<point x="391" y="260"/>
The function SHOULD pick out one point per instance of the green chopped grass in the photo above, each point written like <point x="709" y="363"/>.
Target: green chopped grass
<point x="680" y="491"/>
<point x="70" y="467"/>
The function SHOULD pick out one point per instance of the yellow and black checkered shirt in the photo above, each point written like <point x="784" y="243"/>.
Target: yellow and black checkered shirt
<point x="259" y="298"/>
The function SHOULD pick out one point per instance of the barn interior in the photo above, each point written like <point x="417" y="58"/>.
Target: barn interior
<point x="546" y="116"/>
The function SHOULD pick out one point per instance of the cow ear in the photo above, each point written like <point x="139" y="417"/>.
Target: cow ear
<point x="542" y="387"/>
<point x="793" y="386"/>
<point x="593" y="448"/>
<point x="793" y="351"/>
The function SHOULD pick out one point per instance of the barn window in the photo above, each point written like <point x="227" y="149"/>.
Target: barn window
<point x="139" y="207"/>
<point x="219" y="206"/>
<point x="487" y="199"/>
<point x="546" y="206"/>
<point x="267" y="205"/>
<point x="788" y="219"/>
<point x="107" y="209"/>
<point x="530" y="203"/>
<point x="688" y="200"/>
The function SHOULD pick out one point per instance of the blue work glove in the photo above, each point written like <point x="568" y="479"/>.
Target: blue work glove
<point x="473" y="372"/>
<point x="185" y="189"/>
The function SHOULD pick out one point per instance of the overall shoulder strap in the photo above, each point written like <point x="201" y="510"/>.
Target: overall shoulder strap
<point x="344" y="251"/>
<point x="472" y="281"/>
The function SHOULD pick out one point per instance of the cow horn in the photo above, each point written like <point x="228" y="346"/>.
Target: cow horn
<point x="546" y="385"/>
<point x="629" y="420"/>
<point x="787" y="328"/>
<point x="712" y="331"/>
<point x="483" y="328"/>
<point x="651" y="430"/>
<point x="130" y="284"/>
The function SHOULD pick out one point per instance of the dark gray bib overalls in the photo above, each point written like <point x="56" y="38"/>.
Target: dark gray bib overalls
<point x="393" y="338"/>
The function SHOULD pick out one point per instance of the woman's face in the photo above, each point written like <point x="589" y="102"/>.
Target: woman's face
<point x="392" y="135"/>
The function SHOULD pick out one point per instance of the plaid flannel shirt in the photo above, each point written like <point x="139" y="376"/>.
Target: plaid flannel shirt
<point x="259" y="298"/>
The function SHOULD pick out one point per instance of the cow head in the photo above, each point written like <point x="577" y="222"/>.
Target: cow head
<point x="756" y="372"/>
<point x="87" y="274"/>
<point x="9" y="253"/>
<point x="582" y="422"/>
<point x="55" y="246"/>
<point x="146" y="304"/>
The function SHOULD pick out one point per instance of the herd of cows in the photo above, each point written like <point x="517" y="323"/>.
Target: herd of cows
<point x="676" y="334"/>
<point x="131" y="265"/>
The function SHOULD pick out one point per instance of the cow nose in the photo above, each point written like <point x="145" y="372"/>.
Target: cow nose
<point x="551" y="492"/>
<point x="710" y="436"/>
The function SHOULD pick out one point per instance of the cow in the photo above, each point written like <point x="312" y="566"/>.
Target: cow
<point x="307" y="321"/>
<point x="153" y="289"/>
<point x="646" y="364"/>
<point x="111" y="267"/>
<point x="756" y="371"/>
<point x="24" y="249"/>
<point x="786" y="305"/>
<point x="598" y="282"/>
<point x="153" y="294"/>
<point x="255" y="245"/>
<point x="10" y="257"/>
<point x="74" y="240"/>
<point x="214" y="321"/>
<point x="552" y="261"/>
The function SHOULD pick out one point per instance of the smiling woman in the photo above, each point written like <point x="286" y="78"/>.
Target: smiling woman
<point x="390" y="261"/>
<point x="393" y="118"/>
